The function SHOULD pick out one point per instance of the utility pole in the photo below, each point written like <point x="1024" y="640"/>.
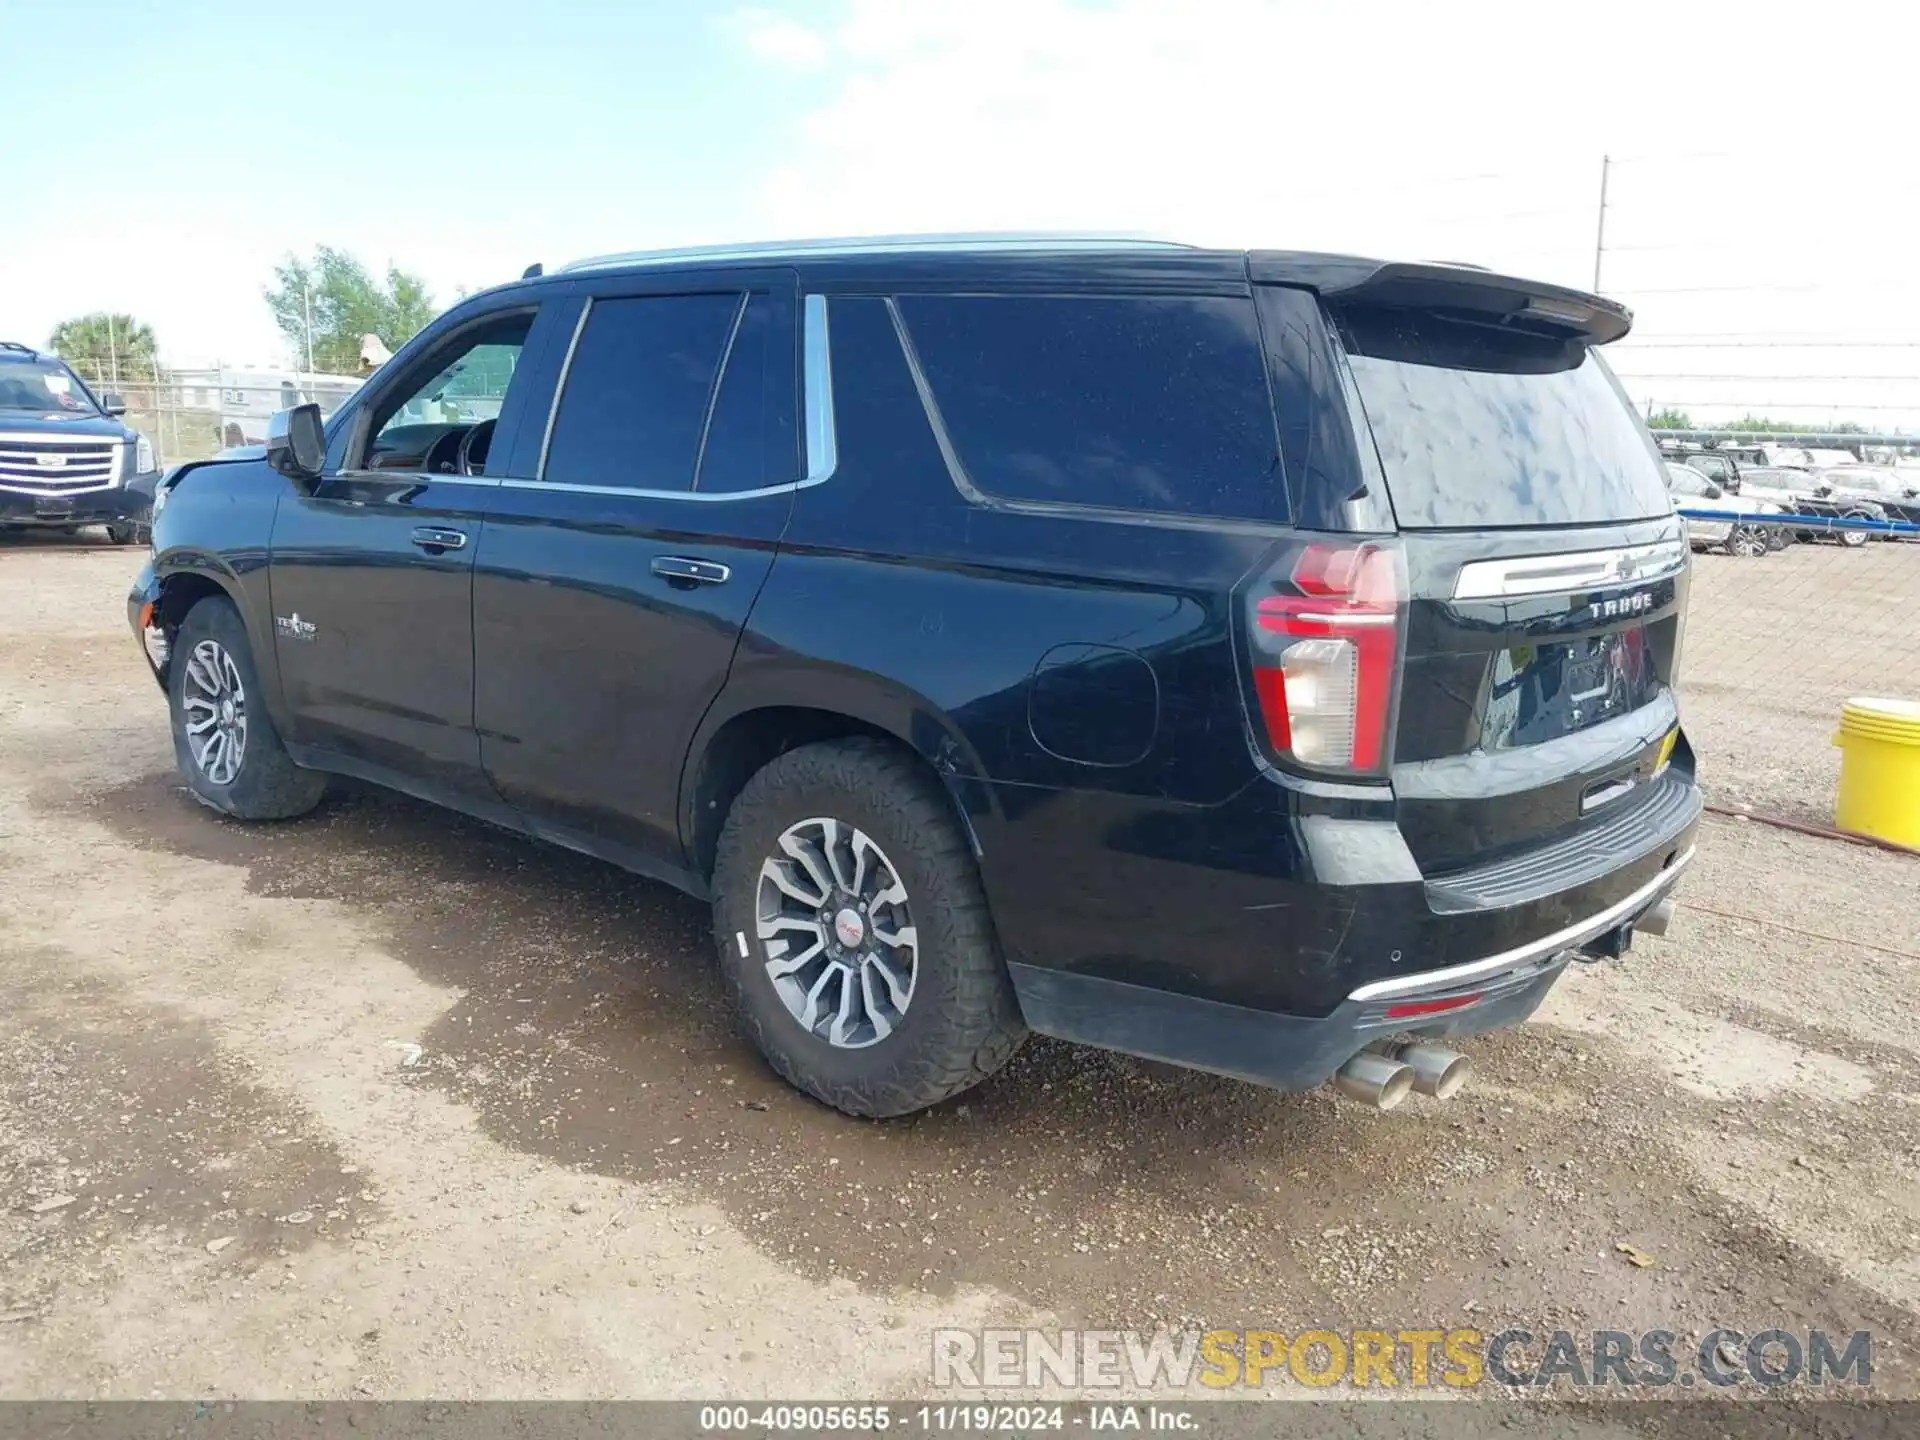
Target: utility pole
<point x="113" y="353"/>
<point x="1600" y="232"/>
<point x="306" y="292"/>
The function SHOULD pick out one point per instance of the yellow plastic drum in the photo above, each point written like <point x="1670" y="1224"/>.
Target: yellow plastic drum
<point x="1879" y="744"/>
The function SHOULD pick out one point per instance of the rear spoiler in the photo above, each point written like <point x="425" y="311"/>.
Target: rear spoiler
<point x="1526" y="304"/>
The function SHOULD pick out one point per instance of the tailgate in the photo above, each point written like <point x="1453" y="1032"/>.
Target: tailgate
<point x="1546" y="574"/>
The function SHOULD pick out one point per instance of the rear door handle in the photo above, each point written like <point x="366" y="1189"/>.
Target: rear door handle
<point x="697" y="572"/>
<point x="432" y="537"/>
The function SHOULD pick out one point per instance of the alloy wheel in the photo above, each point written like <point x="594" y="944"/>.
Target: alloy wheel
<point x="215" y="703"/>
<point x="836" y="933"/>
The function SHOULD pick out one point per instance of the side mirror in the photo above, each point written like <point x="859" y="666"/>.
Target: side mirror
<point x="1823" y="490"/>
<point x="1912" y="493"/>
<point x="111" y="402"/>
<point x="296" y="443"/>
<point x="1714" y="492"/>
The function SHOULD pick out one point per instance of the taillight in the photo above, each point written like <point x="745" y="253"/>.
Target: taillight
<point x="1325" y="644"/>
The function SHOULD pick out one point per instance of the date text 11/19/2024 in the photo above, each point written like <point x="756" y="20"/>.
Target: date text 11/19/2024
<point x="943" y="1419"/>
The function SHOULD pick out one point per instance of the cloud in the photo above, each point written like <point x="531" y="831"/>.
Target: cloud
<point x="779" y="40"/>
<point x="1382" y="127"/>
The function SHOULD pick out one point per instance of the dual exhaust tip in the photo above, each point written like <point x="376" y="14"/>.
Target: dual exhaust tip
<point x="1382" y="1077"/>
<point x="1385" y="1073"/>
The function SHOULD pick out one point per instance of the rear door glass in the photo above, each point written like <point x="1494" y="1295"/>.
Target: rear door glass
<point x="1154" y="403"/>
<point x="1482" y="428"/>
<point x="637" y="391"/>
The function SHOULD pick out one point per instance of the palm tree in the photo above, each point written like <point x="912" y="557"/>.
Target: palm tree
<point x="108" y="350"/>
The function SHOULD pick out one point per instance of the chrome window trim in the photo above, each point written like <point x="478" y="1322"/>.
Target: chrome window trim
<point x="1577" y="933"/>
<point x="823" y="444"/>
<point x="484" y="482"/>
<point x="1574" y="570"/>
<point x="709" y="497"/>
<point x="817" y="384"/>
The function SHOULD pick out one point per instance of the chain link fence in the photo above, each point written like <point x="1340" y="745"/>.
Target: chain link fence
<point x="192" y="414"/>
<point x="1784" y="625"/>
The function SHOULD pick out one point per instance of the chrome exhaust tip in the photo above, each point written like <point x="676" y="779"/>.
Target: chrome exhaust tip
<point x="1655" y="918"/>
<point x="1437" y="1071"/>
<point x="1374" y="1080"/>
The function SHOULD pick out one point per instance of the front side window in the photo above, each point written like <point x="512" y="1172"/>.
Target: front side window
<point x="638" y="389"/>
<point x="1154" y="403"/>
<point x="1685" y="481"/>
<point x="424" y="421"/>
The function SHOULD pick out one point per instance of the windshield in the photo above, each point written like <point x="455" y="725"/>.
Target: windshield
<point x="1483" y="427"/>
<point x="42" y="387"/>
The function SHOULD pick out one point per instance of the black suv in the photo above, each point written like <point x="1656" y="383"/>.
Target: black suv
<point x="66" y="460"/>
<point x="1255" y="661"/>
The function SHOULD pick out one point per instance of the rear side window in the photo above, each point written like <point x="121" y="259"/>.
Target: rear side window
<point x="1135" y="403"/>
<point x="637" y="391"/>
<point x="1484" y="428"/>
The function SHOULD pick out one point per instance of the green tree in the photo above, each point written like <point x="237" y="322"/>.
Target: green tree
<point x="107" y="350"/>
<point x="1760" y="425"/>
<point x="336" y="295"/>
<point x="1670" y="419"/>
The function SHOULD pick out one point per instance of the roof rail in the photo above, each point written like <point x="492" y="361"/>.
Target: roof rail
<point x="16" y="345"/>
<point x="884" y="245"/>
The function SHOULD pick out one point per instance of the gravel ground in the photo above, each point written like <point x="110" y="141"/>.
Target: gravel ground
<point x="1775" y="646"/>
<point x="226" y="1169"/>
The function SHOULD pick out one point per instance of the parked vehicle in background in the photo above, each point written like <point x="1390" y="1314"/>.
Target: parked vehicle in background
<point x="1793" y="491"/>
<point x="66" y="457"/>
<point x="1895" y="493"/>
<point x="1691" y="489"/>
<point x="251" y="398"/>
<point x="1261" y="662"/>
<point x="1722" y="469"/>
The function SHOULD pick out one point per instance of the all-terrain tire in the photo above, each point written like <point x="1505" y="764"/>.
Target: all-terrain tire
<point x="962" y="1022"/>
<point x="266" y="785"/>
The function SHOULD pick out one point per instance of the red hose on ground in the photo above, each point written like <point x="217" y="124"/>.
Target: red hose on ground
<point x="1824" y="832"/>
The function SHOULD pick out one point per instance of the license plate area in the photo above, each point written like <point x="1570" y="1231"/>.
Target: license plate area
<point x="1542" y="691"/>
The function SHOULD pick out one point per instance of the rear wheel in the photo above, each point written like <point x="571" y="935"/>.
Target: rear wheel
<point x="224" y="742"/>
<point x="853" y="933"/>
<point x="1854" y="539"/>
<point x="128" y="532"/>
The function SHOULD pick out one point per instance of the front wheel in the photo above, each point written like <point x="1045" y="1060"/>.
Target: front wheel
<point x="128" y="532"/>
<point x="224" y="742"/>
<point x="854" y="936"/>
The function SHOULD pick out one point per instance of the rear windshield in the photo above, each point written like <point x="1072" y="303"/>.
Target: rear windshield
<point x="1485" y="428"/>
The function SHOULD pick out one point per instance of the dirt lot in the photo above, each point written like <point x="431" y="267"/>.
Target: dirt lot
<point x="220" y="1174"/>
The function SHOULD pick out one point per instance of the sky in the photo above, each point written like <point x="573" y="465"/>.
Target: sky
<point x="1762" y="192"/>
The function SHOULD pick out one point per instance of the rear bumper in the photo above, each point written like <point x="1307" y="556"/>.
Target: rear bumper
<point x="1297" y="1052"/>
<point x="108" y="505"/>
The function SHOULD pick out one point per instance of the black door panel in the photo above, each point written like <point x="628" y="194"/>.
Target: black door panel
<point x="593" y="668"/>
<point x="386" y="675"/>
<point x="376" y="560"/>
<point x="611" y="588"/>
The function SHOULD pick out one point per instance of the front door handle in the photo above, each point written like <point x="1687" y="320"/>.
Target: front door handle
<point x="432" y="537"/>
<point x="680" y="570"/>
